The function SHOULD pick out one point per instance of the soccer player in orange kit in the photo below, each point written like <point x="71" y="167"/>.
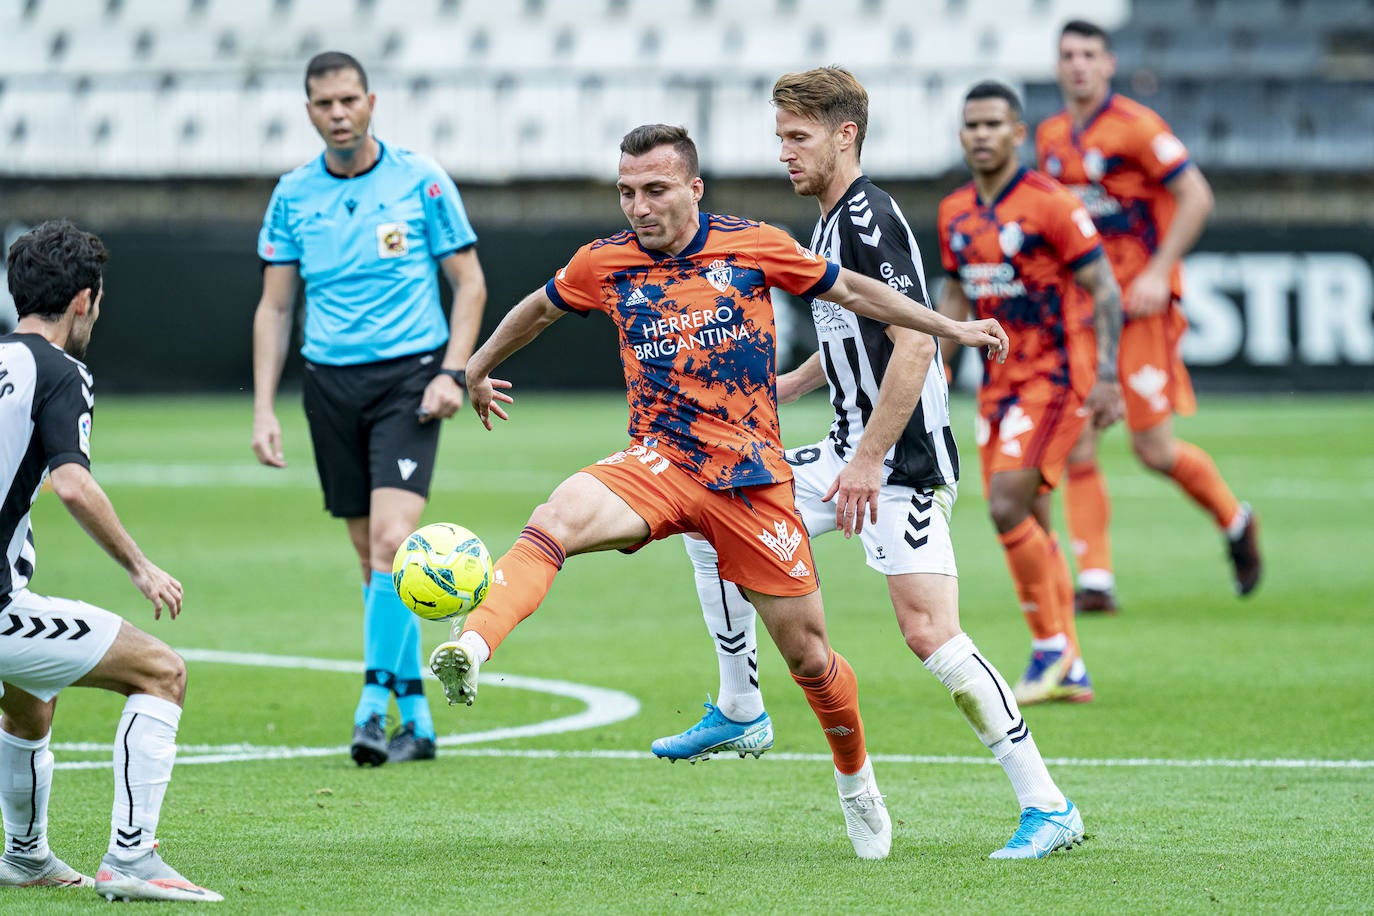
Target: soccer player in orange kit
<point x="1020" y="248"/>
<point x="1149" y="202"/>
<point x="689" y="295"/>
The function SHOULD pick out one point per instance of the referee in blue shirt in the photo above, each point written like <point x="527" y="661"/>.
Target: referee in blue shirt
<point x="363" y="225"/>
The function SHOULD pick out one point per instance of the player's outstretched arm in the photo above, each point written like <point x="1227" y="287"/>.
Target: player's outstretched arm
<point x="89" y="505"/>
<point x="443" y="396"/>
<point x="875" y="299"/>
<point x="271" y="335"/>
<point x="521" y="325"/>
<point x="1104" y="401"/>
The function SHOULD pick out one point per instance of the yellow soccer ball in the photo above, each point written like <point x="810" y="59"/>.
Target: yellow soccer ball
<point x="441" y="571"/>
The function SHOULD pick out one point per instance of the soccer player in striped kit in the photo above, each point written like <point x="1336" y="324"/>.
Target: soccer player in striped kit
<point x="48" y="644"/>
<point x="887" y="471"/>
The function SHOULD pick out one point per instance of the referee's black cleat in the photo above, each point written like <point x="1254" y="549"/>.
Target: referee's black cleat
<point x="404" y="746"/>
<point x="369" y="743"/>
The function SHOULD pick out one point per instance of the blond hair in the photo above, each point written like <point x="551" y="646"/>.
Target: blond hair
<point x="830" y="95"/>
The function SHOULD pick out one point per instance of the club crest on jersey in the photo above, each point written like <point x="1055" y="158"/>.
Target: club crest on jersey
<point x="719" y="274"/>
<point x="392" y="241"/>
<point x="1054" y="166"/>
<point x="1095" y="164"/>
<point x="783" y="540"/>
<point x="957" y="241"/>
<point x="1011" y="238"/>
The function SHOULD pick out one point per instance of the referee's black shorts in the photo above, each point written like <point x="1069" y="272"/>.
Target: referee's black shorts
<point x="365" y="430"/>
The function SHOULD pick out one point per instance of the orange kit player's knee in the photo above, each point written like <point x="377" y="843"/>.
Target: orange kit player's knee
<point x="1031" y="561"/>
<point x="521" y="580"/>
<point x="1197" y="474"/>
<point x="834" y="697"/>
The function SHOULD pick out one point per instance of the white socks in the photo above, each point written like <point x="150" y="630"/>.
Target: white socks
<point x="730" y="620"/>
<point x="145" y="749"/>
<point x="472" y="641"/>
<point x="25" y="784"/>
<point x="987" y="703"/>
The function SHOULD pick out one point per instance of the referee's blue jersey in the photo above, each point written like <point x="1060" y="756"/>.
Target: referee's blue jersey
<point x="366" y="247"/>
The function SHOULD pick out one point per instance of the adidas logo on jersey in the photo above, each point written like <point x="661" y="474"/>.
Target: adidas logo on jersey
<point x="799" y="571"/>
<point x="637" y="297"/>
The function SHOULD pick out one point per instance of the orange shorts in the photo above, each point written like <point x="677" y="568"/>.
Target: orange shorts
<point x="1154" y="380"/>
<point x="1036" y="431"/>
<point x="756" y="530"/>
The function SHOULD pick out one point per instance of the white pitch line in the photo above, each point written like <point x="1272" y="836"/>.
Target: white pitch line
<point x="604" y="706"/>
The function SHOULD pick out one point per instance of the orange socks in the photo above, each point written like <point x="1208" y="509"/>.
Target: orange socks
<point x="1197" y="474"/>
<point x="522" y="579"/>
<point x="834" y="697"/>
<point x="1088" y="508"/>
<point x="1031" y="561"/>
<point x="1063" y="590"/>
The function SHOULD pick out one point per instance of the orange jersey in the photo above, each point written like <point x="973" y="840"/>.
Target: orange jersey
<point x="1118" y="164"/>
<point x="1015" y="258"/>
<point x="698" y="341"/>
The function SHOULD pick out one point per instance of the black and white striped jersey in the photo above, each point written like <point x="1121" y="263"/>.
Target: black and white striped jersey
<point x="867" y="233"/>
<point x="45" y="421"/>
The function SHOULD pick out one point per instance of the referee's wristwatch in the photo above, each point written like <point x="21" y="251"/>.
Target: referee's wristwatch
<point x="458" y="375"/>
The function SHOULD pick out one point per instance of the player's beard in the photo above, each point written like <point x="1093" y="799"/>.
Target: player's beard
<point x="77" y="343"/>
<point x="818" y="177"/>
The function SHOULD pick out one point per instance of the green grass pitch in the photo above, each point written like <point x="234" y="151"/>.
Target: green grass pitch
<point x="1225" y="766"/>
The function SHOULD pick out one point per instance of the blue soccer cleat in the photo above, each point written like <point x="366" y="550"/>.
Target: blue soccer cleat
<point x="715" y="733"/>
<point x="1074" y="689"/>
<point x="1043" y="675"/>
<point x="1042" y="832"/>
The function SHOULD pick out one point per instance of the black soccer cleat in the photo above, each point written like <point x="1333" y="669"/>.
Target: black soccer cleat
<point x="405" y="747"/>
<point x="369" y="743"/>
<point x="1094" y="601"/>
<point x="1245" y="553"/>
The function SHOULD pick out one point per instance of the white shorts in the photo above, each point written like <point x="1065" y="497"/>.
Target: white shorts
<point x="912" y="532"/>
<point x="48" y="643"/>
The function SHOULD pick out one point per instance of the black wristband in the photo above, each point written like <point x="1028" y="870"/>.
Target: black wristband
<point x="458" y="375"/>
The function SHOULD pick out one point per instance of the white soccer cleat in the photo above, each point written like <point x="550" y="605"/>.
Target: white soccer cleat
<point x="22" y="871"/>
<point x="147" y="878"/>
<point x="456" y="668"/>
<point x="866" y="818"/>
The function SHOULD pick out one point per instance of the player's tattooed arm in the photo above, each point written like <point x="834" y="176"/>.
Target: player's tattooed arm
<point x="1104" y="401"/>
<point x="1097" y="279"/>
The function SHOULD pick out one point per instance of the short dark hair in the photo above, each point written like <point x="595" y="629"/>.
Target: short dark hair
<point x="50" y="264"/>
<point x="992" y="89"/>
<point x="328" y="62"/>
<point x="830" y="95"/>
<point x="1087" y="30"/>
<point x="647" y="137"/>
